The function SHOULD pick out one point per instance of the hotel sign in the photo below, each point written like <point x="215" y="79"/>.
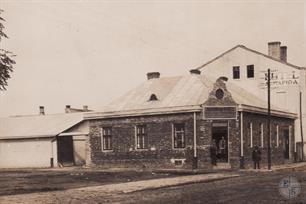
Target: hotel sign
<point x="278" y="79"/>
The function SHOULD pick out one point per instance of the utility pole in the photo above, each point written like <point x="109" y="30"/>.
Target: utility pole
<point x="269" y="119"/>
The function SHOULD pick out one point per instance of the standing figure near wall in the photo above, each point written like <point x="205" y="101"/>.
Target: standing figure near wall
<point x="256" y="156"/>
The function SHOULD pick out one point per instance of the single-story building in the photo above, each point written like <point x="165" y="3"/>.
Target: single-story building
<point x="172" y="122"/>
<point x="168" y="122"/>
<point x="43" y="140"/>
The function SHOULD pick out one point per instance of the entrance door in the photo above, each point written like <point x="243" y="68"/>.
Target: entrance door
<point x="65" y="150"/>
<point x="286" y="143"/>
<point x="220" y="136"/>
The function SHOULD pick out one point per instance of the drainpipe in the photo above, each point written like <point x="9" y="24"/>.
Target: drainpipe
<point x="195" y="159"/>
<point x="241" y="142"/>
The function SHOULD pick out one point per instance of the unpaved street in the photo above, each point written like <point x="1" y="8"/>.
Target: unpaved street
<point x="250" y="187"/>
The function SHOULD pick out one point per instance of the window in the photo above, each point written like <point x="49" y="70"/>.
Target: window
<point x="251" y="134"/>
<point x="141" y="137"/>
<point x="261" y="135"/>
<point x="107" y="138"/>
<point x="236" y="72"/>
<point x="277" y="136"/>
<point x="250" y="71"/>
<point x="219" y="94"/>
<point x="179" y="135"/>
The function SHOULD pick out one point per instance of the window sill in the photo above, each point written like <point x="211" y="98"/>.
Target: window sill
<point x="107" y="151"/>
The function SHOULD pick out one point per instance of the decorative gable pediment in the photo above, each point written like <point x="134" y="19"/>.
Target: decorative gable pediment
<point x="219" y="95"/>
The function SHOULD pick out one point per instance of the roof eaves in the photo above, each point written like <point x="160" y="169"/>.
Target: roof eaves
<point x="267" y="56"/>
<point x="146" y="112"/>
<point x="219" y="56"/>
<point x="278" y="113"/>
<point x="73" y="134"/>
<point x="26" y="137"/>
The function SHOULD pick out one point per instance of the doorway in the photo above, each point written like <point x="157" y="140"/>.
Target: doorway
<point x="286" y="143"/>
<point x="220" y="137"/>
<point x="65" y="151"/>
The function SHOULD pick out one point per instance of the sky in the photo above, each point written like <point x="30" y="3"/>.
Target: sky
<point x="91" y="52"/>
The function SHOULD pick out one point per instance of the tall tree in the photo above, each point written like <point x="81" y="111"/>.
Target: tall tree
<point x="6" y="61"/>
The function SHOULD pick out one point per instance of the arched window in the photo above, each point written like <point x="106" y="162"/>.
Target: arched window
<point x="153" y="97"/>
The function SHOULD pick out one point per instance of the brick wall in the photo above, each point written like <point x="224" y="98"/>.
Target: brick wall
<point x="277" y="153"/>
<point x="160" y="152"/>
<point x="125" y="154"/>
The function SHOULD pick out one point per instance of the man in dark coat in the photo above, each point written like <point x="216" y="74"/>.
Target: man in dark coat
<point x="256" y="156"/>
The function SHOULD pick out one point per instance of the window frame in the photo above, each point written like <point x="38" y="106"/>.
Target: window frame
<point x="175" y="135"/>
<point x="261" y="134"/>
<point x="277" y="136"/>
<point x="109" y="136"/>
<point x="234" y="72"/>
<point x="143" y="135"/>
<point x="251" y="66"/>
<point x="251" y="133"/>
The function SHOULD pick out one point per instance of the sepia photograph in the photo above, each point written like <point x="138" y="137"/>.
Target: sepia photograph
<point x="152" y="101"/>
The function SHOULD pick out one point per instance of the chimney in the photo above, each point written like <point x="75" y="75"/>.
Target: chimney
<point x="195" y="72"/>
<point x="153" y="75"/>
<point x="41" y="110"/>
<point x="274" y="50"/>
<point x="85" y="108"/>
<point x="67" y="109"/>
<point x="283" y="53"/>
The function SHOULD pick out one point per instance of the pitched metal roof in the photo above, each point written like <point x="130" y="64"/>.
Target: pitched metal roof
<point x="174" y="94"/>
<point x="37" y="125"/>
<point x="251" y="50"/>
<point x="170" y="92"/>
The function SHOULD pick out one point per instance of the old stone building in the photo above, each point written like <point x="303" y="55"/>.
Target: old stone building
<point x="171" y="122"/>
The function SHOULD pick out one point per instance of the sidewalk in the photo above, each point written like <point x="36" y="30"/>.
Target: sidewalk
<point x="160" y="183"/>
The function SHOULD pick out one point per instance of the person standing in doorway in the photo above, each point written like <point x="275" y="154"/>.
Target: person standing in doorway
<point x="213" y="152"/>
<point x="256" y="156"/>
<point x="222" y="147"/>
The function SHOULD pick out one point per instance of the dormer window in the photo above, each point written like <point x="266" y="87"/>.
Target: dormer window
<point x="153" y="97"/>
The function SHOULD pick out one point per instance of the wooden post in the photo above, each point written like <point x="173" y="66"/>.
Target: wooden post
<point x="301" y="125"/>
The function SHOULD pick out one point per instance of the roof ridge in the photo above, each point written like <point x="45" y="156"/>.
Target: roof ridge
<point x="37" y="115"/>
<point x="251" y="50"/>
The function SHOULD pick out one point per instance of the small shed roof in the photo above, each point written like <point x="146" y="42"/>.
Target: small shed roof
<point x="35" y="126"/>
